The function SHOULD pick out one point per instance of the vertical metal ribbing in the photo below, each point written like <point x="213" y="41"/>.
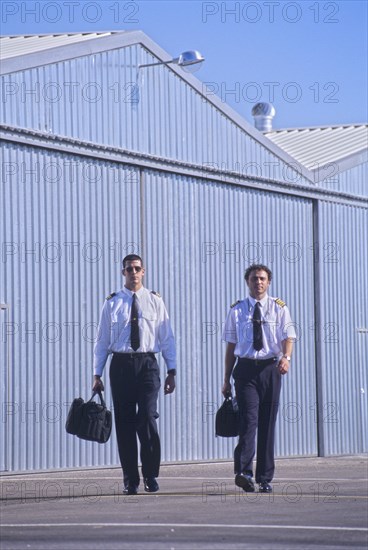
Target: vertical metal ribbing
<point x="142" y="204"/>
<point x="318" y="327"/>
<point x="5" y="321"/>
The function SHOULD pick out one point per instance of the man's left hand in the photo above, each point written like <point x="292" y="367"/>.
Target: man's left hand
<point x="169" y="384"/>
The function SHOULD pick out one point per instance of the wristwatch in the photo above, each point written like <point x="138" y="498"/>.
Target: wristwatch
<point x="287" y="357"/>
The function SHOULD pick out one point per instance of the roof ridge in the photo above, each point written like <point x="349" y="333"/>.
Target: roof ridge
<point x="40" y="35"/>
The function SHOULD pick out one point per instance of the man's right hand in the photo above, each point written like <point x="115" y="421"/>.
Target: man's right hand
<point x="226" y="389"/>
<point x="98" y="385"/>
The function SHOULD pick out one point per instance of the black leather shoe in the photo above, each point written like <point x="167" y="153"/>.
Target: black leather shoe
<point x="150" y="485"/>
<point x="265" y="487"/>
<point x="130" y="489"/>
<point x="246" y="482"/>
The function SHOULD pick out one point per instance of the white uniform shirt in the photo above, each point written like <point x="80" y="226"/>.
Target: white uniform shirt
<point x="113" y="334"/>
<point x="276" y="327"/>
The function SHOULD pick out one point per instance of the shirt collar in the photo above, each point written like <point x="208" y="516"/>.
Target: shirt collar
<point x="130" y="293"/>
<point x="263" y="302"/>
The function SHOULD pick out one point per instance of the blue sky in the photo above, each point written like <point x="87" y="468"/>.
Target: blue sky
<point x="309" y="58"/>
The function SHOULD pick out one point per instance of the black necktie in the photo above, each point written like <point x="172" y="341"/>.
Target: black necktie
<point x="257" y="328"/>
<point x="134" y="328"/>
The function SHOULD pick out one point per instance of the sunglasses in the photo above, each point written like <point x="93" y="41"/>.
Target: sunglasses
<point x="130" y="269"/>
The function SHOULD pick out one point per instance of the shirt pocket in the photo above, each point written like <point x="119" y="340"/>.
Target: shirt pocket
<point x="120" y="317"/>
<point x="150" y="315"/>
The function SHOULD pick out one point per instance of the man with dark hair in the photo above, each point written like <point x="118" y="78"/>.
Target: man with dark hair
<point x="257" y="267"/>
<point x="134" y="325"/>
<point x="259" y="335"/>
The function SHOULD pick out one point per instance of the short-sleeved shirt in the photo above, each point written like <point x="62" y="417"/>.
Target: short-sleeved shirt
<point x="276" y="327"/>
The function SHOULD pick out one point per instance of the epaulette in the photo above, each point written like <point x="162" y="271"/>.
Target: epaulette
<point x="280" y="302"/>
<point x="110" y="295"/>
<point x="156" y="293"/>
<point x="235" y="303"/>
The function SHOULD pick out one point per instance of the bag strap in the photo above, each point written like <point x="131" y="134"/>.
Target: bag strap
<point x="99" y="393"/>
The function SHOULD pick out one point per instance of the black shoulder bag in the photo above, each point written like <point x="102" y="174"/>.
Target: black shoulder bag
<point x="227" y="419"/>
<point x="89" y="420"/>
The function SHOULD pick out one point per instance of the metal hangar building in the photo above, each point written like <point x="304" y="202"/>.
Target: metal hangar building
<point x="101" y="158"/>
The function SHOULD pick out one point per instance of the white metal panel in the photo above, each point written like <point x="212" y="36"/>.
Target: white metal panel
<point x="199" y="238"/>
<point x="68" y="222"/>
<point x="344" y="327"/>
<point x="6" y="403"/>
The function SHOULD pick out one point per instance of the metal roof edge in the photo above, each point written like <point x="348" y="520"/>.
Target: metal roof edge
<point x="301" y="128"/>
<point x="333" y="139"/>
<point x="74" y="33"/>
<point x="348" y="162"/>
<point x="123" y="39"/>
<point x="68" y="51"/>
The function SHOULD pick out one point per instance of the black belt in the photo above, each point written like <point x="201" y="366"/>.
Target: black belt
<point x="247" y="362"/>
<point x="135" y="354"/>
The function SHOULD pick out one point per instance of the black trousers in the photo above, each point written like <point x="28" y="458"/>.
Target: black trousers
<point x="135" y="383"/>
<point x="257" y="389"/>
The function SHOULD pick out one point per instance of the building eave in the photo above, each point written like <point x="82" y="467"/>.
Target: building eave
<point x="124" y="39"/>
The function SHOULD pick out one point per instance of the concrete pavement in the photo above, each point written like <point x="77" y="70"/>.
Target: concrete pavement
<point x="317" y="503"/>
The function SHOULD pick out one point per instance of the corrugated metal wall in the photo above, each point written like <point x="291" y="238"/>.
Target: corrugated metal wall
<point x="5" y="388"/>
<point x="200" y="236"/>
<point x="66" y="227"/>
<point x="344" y="327"/>
<point x="353" y="181"/>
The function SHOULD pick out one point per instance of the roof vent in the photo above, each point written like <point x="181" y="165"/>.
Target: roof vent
<point x="263" y="114"/>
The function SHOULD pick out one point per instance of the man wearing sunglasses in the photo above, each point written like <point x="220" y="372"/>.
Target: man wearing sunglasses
<point x="134" y="326"/>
